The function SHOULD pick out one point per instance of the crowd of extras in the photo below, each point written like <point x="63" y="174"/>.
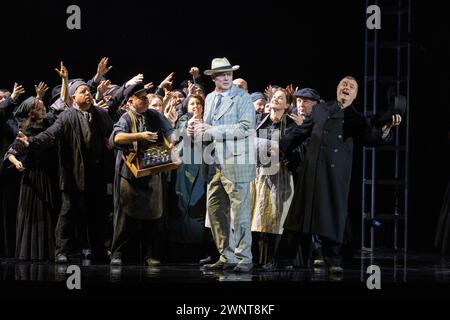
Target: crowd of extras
<point x="59" y="162"/>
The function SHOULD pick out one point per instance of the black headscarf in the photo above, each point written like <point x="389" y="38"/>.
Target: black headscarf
<point x="25" y="107"/>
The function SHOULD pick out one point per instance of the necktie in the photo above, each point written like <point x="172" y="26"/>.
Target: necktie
<point x="216" y="107"/>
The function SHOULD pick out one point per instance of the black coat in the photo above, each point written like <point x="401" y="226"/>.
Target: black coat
<point x="320" y="206"/>
<point x="7" y="107"/>
<point x="67" y="131"/>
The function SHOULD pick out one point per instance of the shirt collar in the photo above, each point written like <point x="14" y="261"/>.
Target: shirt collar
<point x="224" y="93"/>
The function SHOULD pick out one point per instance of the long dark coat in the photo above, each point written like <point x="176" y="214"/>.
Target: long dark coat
<point x="67" y="131"/>
<point x="320" y="206"/>
<point x="37" y="202"/>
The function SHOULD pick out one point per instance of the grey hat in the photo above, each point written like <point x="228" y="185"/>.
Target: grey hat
<point x="220" y="65"/>
<point x="73" y="86"/>
<point x="308" y="93"/>
<point x="257" y="95"/>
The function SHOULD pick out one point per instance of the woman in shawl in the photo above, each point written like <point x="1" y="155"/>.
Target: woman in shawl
<point x="272" y="190"/>
<point x="36" y="208"/>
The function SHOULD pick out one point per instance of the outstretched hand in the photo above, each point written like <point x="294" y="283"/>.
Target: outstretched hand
<point x="103" y="87"/>
<point x="23" y="138"/>
<point x="298" y="119"/>
<point x="102" y="67"/>
<point x="17" y="92"/>
<point x="41" y="89"/>
<point x="62" y="72"/>
<point x="268" y="92"/>
<point x="195" y="72"/>
<point x="149" y="136"/>
<point x="101" y="104"/>
<point x="167" y="82"/>
<point x="19" y="166"/>
<point x="291" y="90"/>
<point x="148" y="86"/>
<point x="396" y="120"/>
<point x="135" y="80"/>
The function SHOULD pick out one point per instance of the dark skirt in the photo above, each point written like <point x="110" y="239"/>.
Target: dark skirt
<point x="188" y="210"/>
<point x="442" y="239"/>
<point x="9" y="197"/>
<point x="35" y="216"/>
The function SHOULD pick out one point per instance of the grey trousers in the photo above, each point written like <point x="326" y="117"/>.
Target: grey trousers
<point x="233" y="237"/>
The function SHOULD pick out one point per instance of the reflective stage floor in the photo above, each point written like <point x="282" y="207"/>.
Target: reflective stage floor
<point x="402" y="277"/>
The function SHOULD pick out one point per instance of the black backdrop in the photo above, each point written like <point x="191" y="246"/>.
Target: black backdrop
<point x="307" y="43"/>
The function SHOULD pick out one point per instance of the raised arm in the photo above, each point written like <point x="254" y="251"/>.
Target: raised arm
<point x="102" y="69"/>
<point x="296" y="136"/>
<point x="64" y="74"/>
<point x="45" y="139"/>
<point x="374" y="136"/>
<point x="7" y="106"/>
<point x="122" y="138"/>
<point x="122" y="135"/>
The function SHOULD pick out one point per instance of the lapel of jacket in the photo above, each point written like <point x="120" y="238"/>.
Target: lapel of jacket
<point x="206" y="113"/>
<point x="226" y="103"/>
<point x="335" y="111"/>
<point x="262" y="121"/>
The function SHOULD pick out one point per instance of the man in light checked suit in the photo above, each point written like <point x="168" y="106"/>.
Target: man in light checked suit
<point x="228" y="134"/>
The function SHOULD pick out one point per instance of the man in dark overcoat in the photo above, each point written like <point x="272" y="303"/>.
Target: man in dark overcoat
<point x="333" y="128"/>
<point x="81" y="133"/>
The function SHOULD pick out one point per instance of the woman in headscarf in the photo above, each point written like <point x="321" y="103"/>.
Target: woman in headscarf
<point x="36" y="208"/>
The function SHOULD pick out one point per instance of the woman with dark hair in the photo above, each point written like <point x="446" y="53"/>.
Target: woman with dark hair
<point x="188" y="217"/>
<point x="272" y="190"/>
<point x="36" y="208"/>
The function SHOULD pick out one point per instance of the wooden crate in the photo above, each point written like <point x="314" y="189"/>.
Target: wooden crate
<point x="150" y="170"/>
<point x="143" y="172"/>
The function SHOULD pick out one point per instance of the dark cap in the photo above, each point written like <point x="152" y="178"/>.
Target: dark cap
<point x="112" y="88"/>
<point x="257" y="95"/>
<point x="308" y="93"/>
<point x="132" y="90"/>
<point x="73" y="86"/>
<point x="56" y="92"/>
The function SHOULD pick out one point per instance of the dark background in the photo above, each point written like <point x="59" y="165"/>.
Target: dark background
<point x="307" y="43"/>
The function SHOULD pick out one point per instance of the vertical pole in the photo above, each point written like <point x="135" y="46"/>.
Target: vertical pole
<point x="408" y="121"/>
<point x="364" y="159"/>
<point x="374" y="108"/>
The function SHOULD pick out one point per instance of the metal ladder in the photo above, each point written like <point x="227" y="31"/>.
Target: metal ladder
<point x="387" y="49"/>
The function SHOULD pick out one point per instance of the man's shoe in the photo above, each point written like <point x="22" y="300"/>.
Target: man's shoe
<point x="270" y="266"/>
<point x="87" y="254"/>
<point x="152" y="262"/>
<point x="219" y="265"/>
<point x="318" y="263"/>
<point x="61" y="258"/>
<point x="285" y="264"/>
<point x="204" y="261"/>
<point x="243" y="267"/>
<point x="116" y="262"/>
<point x="335" y="269"/>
